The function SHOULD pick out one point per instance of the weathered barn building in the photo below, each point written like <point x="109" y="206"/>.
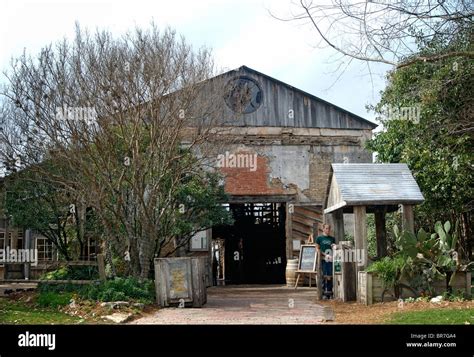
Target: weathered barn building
<point x="281" y="144"/>
<point x="276" y="172"/>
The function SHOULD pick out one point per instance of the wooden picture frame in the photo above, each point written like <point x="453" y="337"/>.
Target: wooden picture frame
<point x="308" y="258"/>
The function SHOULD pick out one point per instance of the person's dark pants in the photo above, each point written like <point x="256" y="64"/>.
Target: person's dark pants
<point x="327" y="272"/>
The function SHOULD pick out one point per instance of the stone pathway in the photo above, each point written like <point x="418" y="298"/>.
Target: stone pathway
<point x="248" y="305"/>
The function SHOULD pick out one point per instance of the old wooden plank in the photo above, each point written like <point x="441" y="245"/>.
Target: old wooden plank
<point x="349" y="280"/>
<point x="101" y="266"/>
<point x="380" y="232"/>
<point x="309" y="212"/>
<point x="299" y="236"/>
<point x="308" y="221"/>
<point x="81" y="263"/>
<point x="338" y="222"/>
<point x="302" y="228"/>
<point x="408" y="223"/>
<point x="369" y="287"/>
<point x="360" y="234"/>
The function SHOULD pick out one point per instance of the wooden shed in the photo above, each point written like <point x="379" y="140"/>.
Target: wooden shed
<point x="370" y="188"/>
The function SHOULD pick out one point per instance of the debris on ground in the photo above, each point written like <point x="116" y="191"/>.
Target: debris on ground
<point x="118" y="317"/>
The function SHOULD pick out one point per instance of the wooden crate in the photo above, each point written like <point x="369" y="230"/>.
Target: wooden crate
<point x="180" y="281"/>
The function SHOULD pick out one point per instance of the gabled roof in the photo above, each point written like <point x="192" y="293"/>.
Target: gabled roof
<point x="371" y="185"/>
<point x="309" y="111"/>
<point x="306" y="94"/>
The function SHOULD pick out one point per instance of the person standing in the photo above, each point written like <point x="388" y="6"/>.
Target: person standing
<point x="324" y="244"/>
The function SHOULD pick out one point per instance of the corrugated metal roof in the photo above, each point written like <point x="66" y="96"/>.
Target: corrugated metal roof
<point x="372" y="184"/>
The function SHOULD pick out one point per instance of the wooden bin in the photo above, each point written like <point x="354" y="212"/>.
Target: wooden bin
<point x="180" y="281"/>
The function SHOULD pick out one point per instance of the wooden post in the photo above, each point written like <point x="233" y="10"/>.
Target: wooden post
<point x="408" y="223"/>
<point x="101" y="267"/>
<point x="319" y="277"/>
<point x="7" y="244"/>
<point x="360" y="234"/>
<point x="27" y="244"/>
<point x="360" y="239"/>
<point x="14" y="242"/>
<point x="7" y="234"/>
<point x="338" y="229"/>
<point x="380" y="232"/>
<point x="315" y="231"/>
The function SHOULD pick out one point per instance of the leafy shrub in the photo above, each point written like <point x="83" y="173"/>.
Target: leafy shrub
<point x="53" y="299"/>
<point x="72" y="273"/>
<point x="58" y="288"/>
<point x="389" y="270"/>
<point x="455" y="296"/>
<point x="58" y="274"/>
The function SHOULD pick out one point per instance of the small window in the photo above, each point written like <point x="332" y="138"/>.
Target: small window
<point x="19" y="240"/>
<point x="199" y="242"/>
<point x="45" y="249"/>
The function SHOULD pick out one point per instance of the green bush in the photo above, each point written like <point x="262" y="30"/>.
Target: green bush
<point x="72" y="273"/>
<point x="110" y="290"/>
<point x="53" y="299"/>
<point x="389" y="270"/>
<point x="454" y="296"/>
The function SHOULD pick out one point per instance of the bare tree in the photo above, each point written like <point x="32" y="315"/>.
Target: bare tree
<point x="125" y="121"/>
<point x="385" y="31"/>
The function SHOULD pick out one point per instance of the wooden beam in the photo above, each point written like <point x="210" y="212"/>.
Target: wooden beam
<point x="360" y="235"/>
<point x="380" y="232"/>
<point x="299" y="236"/>
<point x="338" y="229"/>
<point x="27" y="244"/>
<point x="261" y="199"/>
<point x="408" y="223"/>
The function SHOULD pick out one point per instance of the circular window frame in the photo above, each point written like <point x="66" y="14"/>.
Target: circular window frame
<point x="232" y="106"/>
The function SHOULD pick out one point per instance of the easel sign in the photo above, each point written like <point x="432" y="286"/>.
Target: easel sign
<point x="308" y="256"/>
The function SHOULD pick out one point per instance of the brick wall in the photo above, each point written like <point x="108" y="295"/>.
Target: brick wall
<point x="244" y="181"/>
<point x="291" y="168"/>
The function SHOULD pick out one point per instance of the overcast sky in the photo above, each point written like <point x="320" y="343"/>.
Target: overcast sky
<point x="240" y="32"/>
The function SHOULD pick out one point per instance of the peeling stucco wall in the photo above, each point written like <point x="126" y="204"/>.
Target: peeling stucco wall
<point x="291" y="161"/>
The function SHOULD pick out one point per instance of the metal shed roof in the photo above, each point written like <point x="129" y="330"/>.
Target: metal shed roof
<point x="371" y="184"/>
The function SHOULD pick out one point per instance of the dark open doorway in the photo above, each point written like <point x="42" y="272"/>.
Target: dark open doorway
<point x="255" y="246"/>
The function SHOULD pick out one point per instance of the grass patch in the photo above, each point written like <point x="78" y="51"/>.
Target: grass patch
<point x="433" y="317"/>
<point x="117" y="289"/>
<point x="53" y="299"/>
<point x="21" y="313"/>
